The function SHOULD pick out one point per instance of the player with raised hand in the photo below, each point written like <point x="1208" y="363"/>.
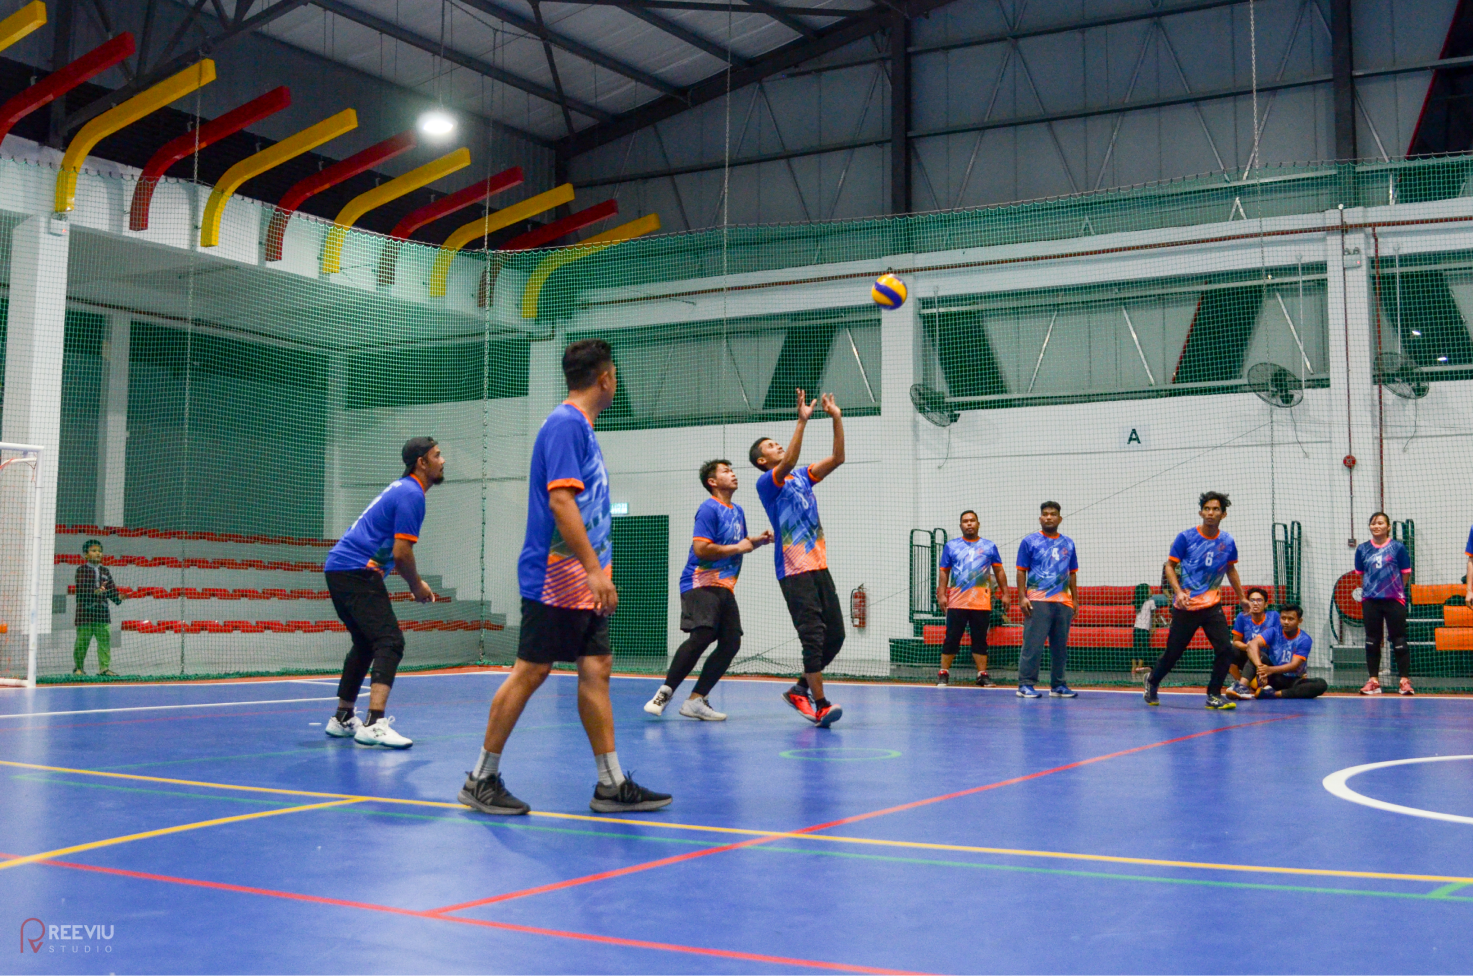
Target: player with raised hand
<point x="786" y="491"/>
<point x="708" y="607"/>
<point x="962" y="591"/>
<point x="1199" y="559"/>
<point x="1384" y="566"/>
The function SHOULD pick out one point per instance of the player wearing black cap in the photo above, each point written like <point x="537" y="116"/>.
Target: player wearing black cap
<point x="380" y="542"/>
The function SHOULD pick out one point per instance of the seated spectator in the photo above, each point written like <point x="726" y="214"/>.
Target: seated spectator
<point x="95" y="587"/>
<point x="1281" y="655"/>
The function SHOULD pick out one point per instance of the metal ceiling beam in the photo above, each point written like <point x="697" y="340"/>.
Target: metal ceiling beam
<point x="557" y="81"/>
<point x="576" y="48"/>
<point x="1091" y="23"/>
<point x="715" y="86"/>
<point x="782" y="16"/>
<point x="1115" y="109"/>
<point x="678" y="31"/>
<point x="432" y="46"/>
<point x="212" y="43"/>
<point x="718" y="8"/>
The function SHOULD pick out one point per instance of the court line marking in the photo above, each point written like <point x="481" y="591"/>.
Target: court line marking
<point x="1338" y="785"/>
<point x="159" y="708"/>
<point x="484" y="923"/>
<point x="663" y="862"/>
<point x="164" y="831"/>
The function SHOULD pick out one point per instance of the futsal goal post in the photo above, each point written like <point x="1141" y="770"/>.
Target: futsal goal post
<point x="20" y="568"/>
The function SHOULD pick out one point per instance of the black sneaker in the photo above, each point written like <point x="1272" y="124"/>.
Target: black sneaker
<point x="983" y="680"/>
<point x="490" y="795"/>
<point x="1220" y="703"/>
<point x="627" y="797"/>
<point x="943" y="678"/>
<point x="1150" y="695"/>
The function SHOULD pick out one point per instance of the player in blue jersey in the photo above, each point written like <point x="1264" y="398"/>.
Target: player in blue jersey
<point x="786" y="491"/>
<point x="962" y="591"/>
<point x="1048" y="582"/>
<point x="380" y="542"/>
<point x="1247" y="625"/>
<point x="1199" y="559"/>
<point x="1280" y="655"/>
<point x="708" y="607"/>
<point x="567" y="591"/>
<point x="1384" y="567"/>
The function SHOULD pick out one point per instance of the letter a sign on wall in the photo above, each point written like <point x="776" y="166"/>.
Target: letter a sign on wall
<point x="1132" y="437"/>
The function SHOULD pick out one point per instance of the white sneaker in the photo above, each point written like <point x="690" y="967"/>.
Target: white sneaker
<point x="701" y="709"/>
<point x="343" y="730"/>
<point x="656" y="705"/>
<point x="381" y="733"/>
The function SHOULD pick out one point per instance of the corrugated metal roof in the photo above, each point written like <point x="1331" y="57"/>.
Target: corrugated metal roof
<point x="474" y="31"/>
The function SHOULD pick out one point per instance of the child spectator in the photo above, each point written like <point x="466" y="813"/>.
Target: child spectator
<point x="95" y="587"/>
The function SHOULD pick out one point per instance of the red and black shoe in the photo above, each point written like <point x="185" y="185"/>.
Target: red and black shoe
<point x="826" y="715"/>
<point x="801" y="703"/>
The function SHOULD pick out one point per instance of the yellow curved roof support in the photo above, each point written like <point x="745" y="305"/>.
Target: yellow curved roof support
<point x="146" y="102"/>
<point x="577" y="252"/>
<point x="289" y="148"/>
<point x="332" y="249"/>
<point x="29" y="18"/>
<point x="492" y="222"/>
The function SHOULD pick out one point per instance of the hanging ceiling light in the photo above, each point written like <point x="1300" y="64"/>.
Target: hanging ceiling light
<point x="436" y="122"/>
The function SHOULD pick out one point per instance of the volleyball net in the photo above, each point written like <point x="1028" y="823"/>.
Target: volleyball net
<point x="1298" y="339"/>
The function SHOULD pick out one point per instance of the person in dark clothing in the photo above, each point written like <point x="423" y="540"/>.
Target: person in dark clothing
<point x="95" y="589"/>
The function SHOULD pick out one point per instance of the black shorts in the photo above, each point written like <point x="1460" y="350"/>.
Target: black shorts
<point x="710" y="606"/>
<point x="559" y="634"/>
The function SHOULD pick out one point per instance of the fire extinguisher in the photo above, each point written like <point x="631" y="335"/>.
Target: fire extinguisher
<point x="858" y="607"/>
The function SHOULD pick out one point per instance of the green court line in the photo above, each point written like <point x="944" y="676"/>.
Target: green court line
<point x="139" y="789"/>
<point x="1446" y="890"/>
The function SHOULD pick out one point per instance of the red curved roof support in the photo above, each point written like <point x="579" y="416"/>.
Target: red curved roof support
<point x="339" y="172"/>
<point x="210" y="132"/>
<point x="548" y="233"/>
<point x="443" y="207"/>
<point x="63" y="80"/>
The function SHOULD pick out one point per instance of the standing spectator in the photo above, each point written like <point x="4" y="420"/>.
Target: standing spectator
<point x="95" y="587"/>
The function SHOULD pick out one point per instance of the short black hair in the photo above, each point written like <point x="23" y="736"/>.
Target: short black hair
<point x="971" y="513"/>
<point x="1296" y="608"/>
<point x="1258" y="589"/>
<point x="414" y="449"/>
<point x="89" y="544"/>
<point x="1213" y="496"/>
<point x="755" y="453"/>
<point x="1054" y="505"/>
<point x="1382" y="514"/>
<point x="584" y="361"/>
<point x="708" y="470"/>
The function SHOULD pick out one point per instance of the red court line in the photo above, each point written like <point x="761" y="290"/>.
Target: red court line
<point x="483" y="923"/>
<point x="636" y="868"/>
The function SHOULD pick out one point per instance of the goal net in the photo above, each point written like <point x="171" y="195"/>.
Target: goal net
<point x="20" y="612"/>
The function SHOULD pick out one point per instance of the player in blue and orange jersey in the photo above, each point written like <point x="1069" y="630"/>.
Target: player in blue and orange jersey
<point x="786" y="491"/>
<point x="379" y="542"/>
<point x="1384" y="567"/>
<point x="1199" y="559"/>
<point x="1280" y="654"/>
<point x="962" y="591"/>
<point x="1048" y="583"/>
<point x="708" y="607"/>
<point x="1247" y="625"/>
<point x="567" y="591"/>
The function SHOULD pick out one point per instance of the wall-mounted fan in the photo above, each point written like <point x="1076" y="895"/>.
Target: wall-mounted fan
<point x="1400" y="374"/>
<point x="932" y="405"/>
<point x="1275" y="385"/>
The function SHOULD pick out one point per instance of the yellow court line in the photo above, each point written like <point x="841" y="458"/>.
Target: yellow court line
<point x="163" y="831"/>
<point x="783" y="835"/>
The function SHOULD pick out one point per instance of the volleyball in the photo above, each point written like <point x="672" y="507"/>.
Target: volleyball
<point x="888" y="291"/>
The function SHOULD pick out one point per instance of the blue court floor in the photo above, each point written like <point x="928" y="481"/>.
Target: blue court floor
<point x="214" y="828"/>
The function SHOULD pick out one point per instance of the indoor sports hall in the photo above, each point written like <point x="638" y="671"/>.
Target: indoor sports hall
<point x="401" y="397"/>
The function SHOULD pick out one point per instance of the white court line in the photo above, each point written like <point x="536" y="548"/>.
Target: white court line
<point x="1336" y="783"/>
<point x="156" y="708"/>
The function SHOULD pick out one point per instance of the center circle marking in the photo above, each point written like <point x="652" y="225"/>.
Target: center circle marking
<point x="839" y="754"/>
<point x="1337" y="784"/>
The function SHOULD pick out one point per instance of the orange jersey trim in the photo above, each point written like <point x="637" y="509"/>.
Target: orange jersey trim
<point x="570" y="403"/>
<point x="406" y="536"/>
<point x="565" y="483"/>
<point x="701" y="538"/>
<point x="422" y="486"/>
